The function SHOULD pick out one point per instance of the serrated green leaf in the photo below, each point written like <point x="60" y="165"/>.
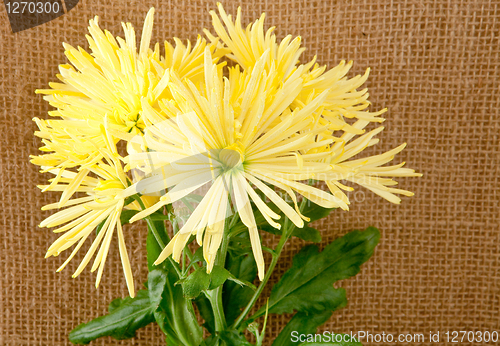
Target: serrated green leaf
<point x="195" y="283"/>
<point x="307" y="285"/>
<point x="200" y="281"/>
<point x="218" y="276"/>
<point x="116" y="303"/>
<point x="235" y="296"/>
<point x="125" y="317"/>
<point x="242" y="283"/>
<point x="301" y="290"/>
<point x="301" y="324"/>
<point x="174" y="313"/>
<point x="157" y="281"/>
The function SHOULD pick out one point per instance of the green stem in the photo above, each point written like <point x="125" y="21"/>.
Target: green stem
<point x="233" y="220"/>
<point x="287" y="232"/>
<point x="218" y="309"/>
<point x="153" y="229"/>
<point x="215" y="296"/>
<point x="269" y="272"/>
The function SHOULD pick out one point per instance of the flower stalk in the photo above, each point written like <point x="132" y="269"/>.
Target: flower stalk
<point x="215" y="296"/>
<point x="285" y="235"/>
<point x="152" y="227"/>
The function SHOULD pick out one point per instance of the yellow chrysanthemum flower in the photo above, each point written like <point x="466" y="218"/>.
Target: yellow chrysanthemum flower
<point x="191" y="122"/>
<point x="343" y="101"/>
<point x="82" y="215"/>
<point x="111" y="82"/>
<point x="239" y="133"/>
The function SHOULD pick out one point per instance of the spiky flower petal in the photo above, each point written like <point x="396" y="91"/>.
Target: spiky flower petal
<point x="100" y="207"/>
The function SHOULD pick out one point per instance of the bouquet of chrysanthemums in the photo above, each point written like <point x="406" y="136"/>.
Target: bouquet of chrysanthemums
<point x="213" y="144"/>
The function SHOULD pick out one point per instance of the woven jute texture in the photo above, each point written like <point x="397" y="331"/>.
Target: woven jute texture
<point x="435" y="65"/>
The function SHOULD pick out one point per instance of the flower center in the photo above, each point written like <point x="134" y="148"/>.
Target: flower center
<point x="230" y="159"/>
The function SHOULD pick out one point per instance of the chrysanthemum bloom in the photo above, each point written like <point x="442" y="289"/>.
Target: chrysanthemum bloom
<point x="110" y="81"/>
<point x="251" y="137"/>
<point x="108" y="84"/>
<point x="100" y="207"/>
<point x="343" y="102"/>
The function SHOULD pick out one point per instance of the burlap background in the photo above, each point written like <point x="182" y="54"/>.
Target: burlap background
<point x="436" y="66"/>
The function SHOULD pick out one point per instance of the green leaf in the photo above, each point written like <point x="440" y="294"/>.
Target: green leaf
<point x="152" y="247"/>
<point x="239" y="245"/>
<point x="174" y="313"/>
<point x="311" y="210"/>
<point x="315" y="212"/>
<point x="99" y="227"/>
<point x="301" y="324"/>
<point x="153" y="250"/>
<point x="125" y="317"/>
<point x="159" y="217"/>
<point x="235" y="296"/>
<point x="307" y="233"/>
<point x="206" y="312"/>
<point x="195" y="283"/>
<point x="307" y="285"/>
<point x="126" y="215"/>
<point x="198" y="255"/>
<point x="233" y="338"/>
<point x="218" y="276"/>
<point x="212" y="340"/>
<point x="200" y="281"/>
<point x="116" y="303"/>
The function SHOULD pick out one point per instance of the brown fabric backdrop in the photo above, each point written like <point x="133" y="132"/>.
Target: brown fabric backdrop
<point x="435" y="65"/>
